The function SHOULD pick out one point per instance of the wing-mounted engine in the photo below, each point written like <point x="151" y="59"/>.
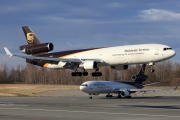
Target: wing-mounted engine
<point x="139" y="78"/>
<point x="120" y="67"/>
<point x="89" y="65"/>
<point x="125" y="93"/>
<point x="36" y="49"/>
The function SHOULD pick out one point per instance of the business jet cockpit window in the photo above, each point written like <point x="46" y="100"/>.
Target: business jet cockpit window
<point x="167" y="49"/>
<point x="84" y="85"/>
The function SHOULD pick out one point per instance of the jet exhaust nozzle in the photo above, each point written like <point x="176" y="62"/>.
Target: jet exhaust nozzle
<point x="139" y="78"/>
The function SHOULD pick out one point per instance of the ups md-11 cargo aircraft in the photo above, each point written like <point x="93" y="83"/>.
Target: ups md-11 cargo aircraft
<point x="117" y="57"/>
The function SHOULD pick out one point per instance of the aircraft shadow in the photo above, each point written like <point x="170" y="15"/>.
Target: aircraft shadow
<point x="144" y="97"/>
<point x="154" y="107"/>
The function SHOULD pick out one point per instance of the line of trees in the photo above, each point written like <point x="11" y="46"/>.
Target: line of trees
<point x="166" y="73"/>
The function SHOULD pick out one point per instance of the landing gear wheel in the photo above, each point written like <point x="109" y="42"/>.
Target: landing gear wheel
<point x="152" y="70"/>
<point x="119" y="96"/>
<point x="76" y="74"/>
<point x="128" y="97"/>
<point x="99" y="74"/>
<point x="90" y="97"/>
<point x="79" y="73"/>
<point x="96" y="74"/>
<point x="109" y="96"/>
<point x="85" y="73"/>
<point x="73" y="74"/>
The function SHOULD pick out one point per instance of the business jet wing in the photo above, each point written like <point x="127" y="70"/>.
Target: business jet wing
<point x="49" y="59"/>
<point x="137" y="90"/>
<point x="144" y="90"/>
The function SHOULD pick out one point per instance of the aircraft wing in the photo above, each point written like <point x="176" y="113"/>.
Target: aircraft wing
<point x="49" y="59"/>
<point x="144" y="90"/>
<point x="137" y="90"/>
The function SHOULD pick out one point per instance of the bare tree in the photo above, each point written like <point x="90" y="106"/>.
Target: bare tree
<point x="167" y="73"/>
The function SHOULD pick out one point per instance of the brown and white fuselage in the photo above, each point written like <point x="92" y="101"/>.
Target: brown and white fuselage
<point x="118" y="57"/>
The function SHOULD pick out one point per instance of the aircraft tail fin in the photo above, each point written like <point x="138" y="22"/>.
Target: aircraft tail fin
<point x="34" y="46"/>
<point x="31" y="38"/>
<point x="142" y="70"/>
<point x="140" y="77"/>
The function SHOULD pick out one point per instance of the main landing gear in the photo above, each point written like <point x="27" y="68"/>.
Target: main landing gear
<point x="79" y="74"/>
<point x="119" y="96"/>
<point x="94" y="74"/>
<point x="109" y="95"/>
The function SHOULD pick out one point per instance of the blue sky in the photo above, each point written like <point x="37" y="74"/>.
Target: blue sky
<point x="76" y="24"/>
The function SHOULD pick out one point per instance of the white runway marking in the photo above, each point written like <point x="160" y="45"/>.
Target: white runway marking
<point x="89" y="112"/>
<point x="12" y="104"/>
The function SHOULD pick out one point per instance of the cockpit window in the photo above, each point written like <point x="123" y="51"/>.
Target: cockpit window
<point x="167" y="49"/>
<point x="84" y="85"/>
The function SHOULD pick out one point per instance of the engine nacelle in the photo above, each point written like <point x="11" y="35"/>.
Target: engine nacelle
<point x="125" y="93"/>
<point x="35" y="49"/>
<point x="89" y="65"/>
<point x="120" y="67"/>
<point x="139" y="78"/>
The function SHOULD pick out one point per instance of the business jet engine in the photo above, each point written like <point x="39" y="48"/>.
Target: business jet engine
<point x="35" y="49"/>
<point x="89" y="65"/>
<point x="125" y="93"/>
<point x="139" y="78"/>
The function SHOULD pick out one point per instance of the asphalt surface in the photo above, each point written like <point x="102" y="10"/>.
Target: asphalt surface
<point x="83" y="108"/>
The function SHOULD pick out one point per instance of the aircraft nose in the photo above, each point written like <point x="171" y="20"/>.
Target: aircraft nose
<point x="173" y="53"/>
<point x="82" y="88"/>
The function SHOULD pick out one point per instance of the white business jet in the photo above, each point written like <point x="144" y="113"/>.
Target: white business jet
<point x="122" y="89"/>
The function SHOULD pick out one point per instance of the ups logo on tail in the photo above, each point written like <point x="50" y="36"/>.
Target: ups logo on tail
<point x="30" y="38"/>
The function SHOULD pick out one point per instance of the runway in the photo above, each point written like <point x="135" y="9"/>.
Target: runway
<point x="83" y="108"/>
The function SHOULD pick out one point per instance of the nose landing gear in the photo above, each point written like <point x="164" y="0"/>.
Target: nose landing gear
<point x="152" y="69"/>
<point x="90" y="97"/>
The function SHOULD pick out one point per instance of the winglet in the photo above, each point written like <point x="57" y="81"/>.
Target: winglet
<point x="8" y="52"/>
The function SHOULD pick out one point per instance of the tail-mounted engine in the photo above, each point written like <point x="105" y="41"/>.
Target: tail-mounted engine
<point x="139" y="78"/>
<point x="35" y="49"/>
